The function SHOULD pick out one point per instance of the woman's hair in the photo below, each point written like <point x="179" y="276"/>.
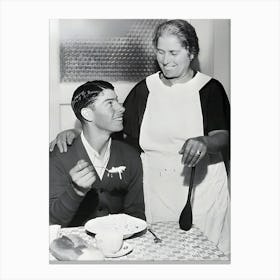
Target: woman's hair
<point x="184" y="31"/>
<point x="86" y="94"/>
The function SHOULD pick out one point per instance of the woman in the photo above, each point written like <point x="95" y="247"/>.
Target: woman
<point x="179" y="118"/>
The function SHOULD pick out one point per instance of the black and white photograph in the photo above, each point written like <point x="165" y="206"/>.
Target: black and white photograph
<point x="139" y="139"/>
<point x="140" y="130"/>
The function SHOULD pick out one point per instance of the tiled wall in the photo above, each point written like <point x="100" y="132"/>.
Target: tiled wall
<point x="128" y="57"/>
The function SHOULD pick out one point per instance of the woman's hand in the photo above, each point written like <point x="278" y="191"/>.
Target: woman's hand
<point x="63" y="139"/>
<point x="193" y="151"/>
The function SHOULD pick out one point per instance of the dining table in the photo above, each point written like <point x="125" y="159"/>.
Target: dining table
<point x="176" y="246"/>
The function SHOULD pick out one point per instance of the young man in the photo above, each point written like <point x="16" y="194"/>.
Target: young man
<point x="97" y="176"/>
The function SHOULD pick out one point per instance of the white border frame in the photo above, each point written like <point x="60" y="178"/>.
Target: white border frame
<point x="24" y="137"/>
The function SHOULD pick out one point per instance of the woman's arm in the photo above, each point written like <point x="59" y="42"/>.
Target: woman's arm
<point x="216" y="121"/>
<point x="216" y="141"/>
<point x="135" y="105"/>
<point x="64" y="138"/>
<point x="194" y="149"/>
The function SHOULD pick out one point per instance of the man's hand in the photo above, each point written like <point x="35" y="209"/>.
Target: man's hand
<point x="83" y="176"/>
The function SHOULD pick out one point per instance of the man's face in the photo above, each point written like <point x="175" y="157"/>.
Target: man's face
<point x="108" y="112"/>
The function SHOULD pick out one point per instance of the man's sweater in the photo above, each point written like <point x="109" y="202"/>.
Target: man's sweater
<point x="110" y="195"/>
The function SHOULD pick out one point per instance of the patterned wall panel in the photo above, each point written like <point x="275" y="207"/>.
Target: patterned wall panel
<point x="122" y="58"/>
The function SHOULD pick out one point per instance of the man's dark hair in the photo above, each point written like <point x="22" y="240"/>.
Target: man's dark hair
<point x="86" y="94"/>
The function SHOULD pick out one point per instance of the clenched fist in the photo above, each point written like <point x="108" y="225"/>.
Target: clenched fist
<point x="83" y="176"/>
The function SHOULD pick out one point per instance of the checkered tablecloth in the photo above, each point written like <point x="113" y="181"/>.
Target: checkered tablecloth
<point x="176" y="246"/>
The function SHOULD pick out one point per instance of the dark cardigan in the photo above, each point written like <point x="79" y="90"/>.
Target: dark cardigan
<point x="110" y="195"/>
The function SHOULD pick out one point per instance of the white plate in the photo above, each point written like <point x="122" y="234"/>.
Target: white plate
<point x="125" y="249"/>
<point x="123" y="223"/>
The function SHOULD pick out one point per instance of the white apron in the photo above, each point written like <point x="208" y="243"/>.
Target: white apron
<point x="172" y="115"/>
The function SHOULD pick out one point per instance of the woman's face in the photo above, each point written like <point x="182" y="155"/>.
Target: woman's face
<point x="173" y="59"/>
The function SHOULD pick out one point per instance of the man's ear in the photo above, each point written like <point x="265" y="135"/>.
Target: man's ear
<point x="87" y="114"/>
<point x="191" y="56"/>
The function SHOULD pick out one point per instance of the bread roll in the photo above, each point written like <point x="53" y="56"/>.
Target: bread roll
<point x="72" y="248"/>
<point x="63" y="249"/>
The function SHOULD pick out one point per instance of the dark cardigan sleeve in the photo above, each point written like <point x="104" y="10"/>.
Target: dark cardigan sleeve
<point x="215" y="107"/>
<point x="135" y="105"/>
<point x="63" y="200"/>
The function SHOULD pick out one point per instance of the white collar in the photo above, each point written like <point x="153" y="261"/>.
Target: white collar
<point x="99" y="162"/>
<point x="91" y="150"/>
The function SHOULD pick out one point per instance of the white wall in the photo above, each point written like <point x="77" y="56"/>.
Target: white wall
<point x="221" y="55"/>
<point x="214" y="60"/>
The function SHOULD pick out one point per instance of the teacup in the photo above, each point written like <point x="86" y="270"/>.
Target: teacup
<point x="109" y="242"/>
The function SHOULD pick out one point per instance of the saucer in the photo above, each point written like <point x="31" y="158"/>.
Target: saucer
<point x="125" y="249"/>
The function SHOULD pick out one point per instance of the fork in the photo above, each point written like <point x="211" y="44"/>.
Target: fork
<point x="156" y="238"/>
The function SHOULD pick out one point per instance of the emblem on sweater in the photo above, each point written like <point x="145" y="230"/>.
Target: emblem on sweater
<point x="119" y="169"/>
